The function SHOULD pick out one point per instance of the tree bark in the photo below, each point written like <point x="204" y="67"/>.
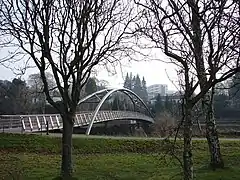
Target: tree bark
<point x="66" y="168"/>
<point x="211" y="130"/>
<point x="187" y="150"/>
<point x="212" y="134"/>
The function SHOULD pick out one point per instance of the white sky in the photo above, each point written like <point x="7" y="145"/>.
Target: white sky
<point x="155" y="72"/>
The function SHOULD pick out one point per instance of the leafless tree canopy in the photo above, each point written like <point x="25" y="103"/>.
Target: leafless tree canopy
<point x="202" y="38"/>
<point x="170" y="25"/>
<point x="67" y="37"/>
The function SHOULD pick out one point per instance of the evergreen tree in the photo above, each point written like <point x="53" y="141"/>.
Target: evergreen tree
<point x="158" y="104"/>
<point x="137" y="85"/>
<point x="167" y="104"/>
<point x="132" y="80"/>
<point x="116" y="103"/>
<point x="144" y="90"/>
<point x="128" y="82"/>
<point x="234" y="91"/>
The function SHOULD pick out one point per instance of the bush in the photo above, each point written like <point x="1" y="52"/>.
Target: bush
<point x="164" y="125"/>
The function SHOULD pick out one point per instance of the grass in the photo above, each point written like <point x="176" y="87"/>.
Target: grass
<point x="29" y="157"/>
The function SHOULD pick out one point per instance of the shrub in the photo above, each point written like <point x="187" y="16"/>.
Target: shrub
<point x="164" y="125"/>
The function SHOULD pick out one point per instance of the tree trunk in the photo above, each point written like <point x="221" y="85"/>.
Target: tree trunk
<point x="66" y="168"/>
<point x="212" y="134"/>
<point x="211" y="131"/>
<point x="187" y="151"/>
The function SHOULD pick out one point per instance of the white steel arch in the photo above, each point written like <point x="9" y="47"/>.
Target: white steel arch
<point x="109" y="92"/>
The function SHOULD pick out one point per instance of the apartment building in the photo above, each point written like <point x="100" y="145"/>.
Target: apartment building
<point x="156" y="89"/>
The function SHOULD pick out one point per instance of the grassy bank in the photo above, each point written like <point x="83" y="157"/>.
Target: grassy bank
<point x="38" y="157"/>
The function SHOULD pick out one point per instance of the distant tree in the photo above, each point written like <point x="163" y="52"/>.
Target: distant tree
<point x="35" y="82"/>
<point x="101" y="84"/>
<point x="137" y="85"/>
<point x="14" y="97"/>
<point x="19" y="96"/>
<point x="168" y="104"/>
<point x="120" y="102"/>
<point x="127" y="83"/>
<point x="90" y="86"/>
<point x="176" y="108"/>
<point x="37" y="95"/>
<point x="131" y="81"/>
<point x="144" y="94"/>
<point x="220" y="88"/>
<point x="158" y="104"/>
<point x="116" y="103"/>
<point x="234" y="90"/>
<point x="5" y="97"/>
<point x="220" y="104"/>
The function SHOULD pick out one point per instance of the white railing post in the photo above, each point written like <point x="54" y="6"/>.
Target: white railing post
<point x="38" y="123"/>
<point x="58" y="124"/>
<point x="77" y="119"/>
<point x="51" y="120"/>
<point x="23" y="123"/>
<point x="30" y="123"/>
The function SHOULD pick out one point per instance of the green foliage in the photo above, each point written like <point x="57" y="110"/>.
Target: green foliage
<point x="159" y="104"/>
<point x="127" y="82"/>
<point x="144" y="90"/>
<point x="220" y="104"/>
<point x="166" y="104"/>
<point x="14" y="97"/>
<point x="135" y="84"/>
<point x="116" y="103"/>
<point x="22" y="157"/>
<point x="234" y="91"/>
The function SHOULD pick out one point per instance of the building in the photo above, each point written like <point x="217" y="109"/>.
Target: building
<point x="156" y="89"/>
<point x="171" y="97"/>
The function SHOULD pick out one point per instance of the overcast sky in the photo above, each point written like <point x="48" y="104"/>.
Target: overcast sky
<point x="155" y="72"/>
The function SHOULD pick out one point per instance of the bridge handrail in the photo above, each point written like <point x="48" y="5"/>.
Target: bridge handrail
<point x="33" y="122"/>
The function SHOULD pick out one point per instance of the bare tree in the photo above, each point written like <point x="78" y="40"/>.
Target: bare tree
<point x="36" y="87"/>
<point x="69" y="38"/>
<point x="216" y="43"/>
<point x="202" y="39"/>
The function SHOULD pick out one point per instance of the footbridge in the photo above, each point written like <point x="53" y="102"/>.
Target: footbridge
<point x="129" y="107"/>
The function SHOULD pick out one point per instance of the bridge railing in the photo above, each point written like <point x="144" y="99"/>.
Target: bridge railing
<point x="42" y="122"/>
<point x="10" y="122"/>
